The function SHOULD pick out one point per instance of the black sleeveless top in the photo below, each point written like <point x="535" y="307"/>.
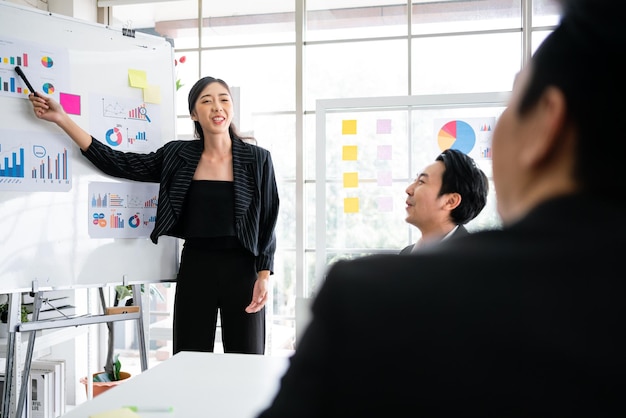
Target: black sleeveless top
<point x="208" y="216"/>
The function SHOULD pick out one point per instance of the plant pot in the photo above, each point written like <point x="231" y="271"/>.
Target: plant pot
<point x="99" y="387"/>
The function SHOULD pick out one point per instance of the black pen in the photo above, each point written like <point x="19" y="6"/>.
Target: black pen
<point x="19" y="72"/>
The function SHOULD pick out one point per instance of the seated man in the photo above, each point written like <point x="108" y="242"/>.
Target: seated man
<point x="523" y="321"/>
<point x="446" y="195"/>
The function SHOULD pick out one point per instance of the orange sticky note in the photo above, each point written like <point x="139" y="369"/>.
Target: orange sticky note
<point x="351" y="205"/>
<point x="348" y="127"/>
<point x="349" y="153"/>
<point x="350" y="179"/>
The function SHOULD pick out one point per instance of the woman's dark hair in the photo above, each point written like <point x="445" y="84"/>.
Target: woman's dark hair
<point x="194" y="93"/>
<point x="583" y="58"/>
<point x="462" y="176"/>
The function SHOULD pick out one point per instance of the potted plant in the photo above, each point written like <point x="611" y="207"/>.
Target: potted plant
<point x="4" y="313"/>
<point x="103" y="381"/>
<point x="4" y="317"/>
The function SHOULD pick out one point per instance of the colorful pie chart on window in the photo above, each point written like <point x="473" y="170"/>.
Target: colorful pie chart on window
<point x="457" y="135"/>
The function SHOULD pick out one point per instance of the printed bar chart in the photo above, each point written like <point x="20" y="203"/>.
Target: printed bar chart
<point x="52" y="168"/>
<point x="30" y="163"/>
<point x="119" y="210"/>
<point x="21" y="60"/>
<point x="13" y="168"/>
<point x="8" y="85"/>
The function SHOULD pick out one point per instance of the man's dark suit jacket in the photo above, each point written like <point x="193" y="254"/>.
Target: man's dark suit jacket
<point x="173" y="166"/>
<point x="461" y="231"/>
<point x="527" y="321"/>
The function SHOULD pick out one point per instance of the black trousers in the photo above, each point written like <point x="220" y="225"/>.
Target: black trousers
<point x="210" y="280"/>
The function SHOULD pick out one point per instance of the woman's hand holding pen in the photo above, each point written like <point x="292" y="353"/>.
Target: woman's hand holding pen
<point x="259" y="293"/>
<point x="46" y="108"/>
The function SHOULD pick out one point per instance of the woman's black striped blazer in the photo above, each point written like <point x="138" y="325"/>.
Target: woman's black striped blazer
<point x="173" y="166"/>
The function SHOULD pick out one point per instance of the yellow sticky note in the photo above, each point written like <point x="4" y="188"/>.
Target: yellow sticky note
<point x="351" y="205"/>
<point x="349" y="153"/>
<point x="348" y="127"/>
<point x="116" y="413"/>
<point x="137" y="78"/>
<point x="350" y="179"/>
<point x="152" y="94"/>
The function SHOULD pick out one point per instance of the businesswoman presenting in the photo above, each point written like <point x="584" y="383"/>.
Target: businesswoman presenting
<point x="219" y="194"/>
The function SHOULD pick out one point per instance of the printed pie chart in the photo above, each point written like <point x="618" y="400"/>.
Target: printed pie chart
<point x="46" y="62"/>
<point x="48" y="88"/>
<point x="457" y="135"/>
<point x="114" y="137"/>
<point x="134" y="221"/>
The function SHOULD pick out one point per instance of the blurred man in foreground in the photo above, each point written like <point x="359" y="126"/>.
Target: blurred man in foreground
<point x="521" y="322"/>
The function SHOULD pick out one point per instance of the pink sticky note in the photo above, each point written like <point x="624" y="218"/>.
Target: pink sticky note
<point x="384" y="178"/>
<point x="384" y="152"/>
<point x="70" y="102"/>
<point x="385" y="204"/>
<point x="383" y="126"/>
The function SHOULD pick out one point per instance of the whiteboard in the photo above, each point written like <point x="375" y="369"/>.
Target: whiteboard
<point x="44" y="217"/>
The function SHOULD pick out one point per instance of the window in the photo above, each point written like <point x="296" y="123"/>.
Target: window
<point x="348" y="49"/>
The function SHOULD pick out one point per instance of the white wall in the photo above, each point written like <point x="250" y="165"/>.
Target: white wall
<point x="80" y="9"/>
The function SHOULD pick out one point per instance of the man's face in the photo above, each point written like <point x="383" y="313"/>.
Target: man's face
<point x="423" y="205"/>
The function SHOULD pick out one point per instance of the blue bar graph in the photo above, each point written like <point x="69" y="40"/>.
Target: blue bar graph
<point x="40" y="164"/>
<point x="13" y="168"/>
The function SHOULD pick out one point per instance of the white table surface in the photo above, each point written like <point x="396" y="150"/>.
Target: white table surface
<point x="196" y="385"/>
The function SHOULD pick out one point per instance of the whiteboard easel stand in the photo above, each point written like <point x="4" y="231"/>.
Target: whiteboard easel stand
<point x="15" y="326"/>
